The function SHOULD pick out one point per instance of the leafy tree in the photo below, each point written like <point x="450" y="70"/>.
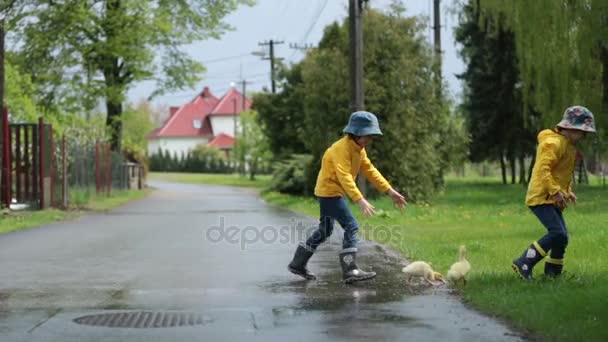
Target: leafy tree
<point x="137" y="122"/>
<point x="492" y="100"/>
<point x="18" y="94"/>
<point x="81" y="50"/>
<point x="251" y="144"/>
<point x="281" y="115"/>
<point x="562" y="48"/>
<point x="399" y="88"/>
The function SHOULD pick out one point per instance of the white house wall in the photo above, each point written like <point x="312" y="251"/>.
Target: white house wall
<point x="174" y="145"/>
<point x="224" y="124"/>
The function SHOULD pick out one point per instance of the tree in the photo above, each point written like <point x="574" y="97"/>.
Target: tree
<point x="281" y="115"/>
<point x="137" y="122"/>
<point x="81" y="50"/>
<point x="399" y="88"/>
<point x="18" y="94"/>
<point x="562" y="49"/>
<point x="492" y="97"/>
<point x="251" y="144"/>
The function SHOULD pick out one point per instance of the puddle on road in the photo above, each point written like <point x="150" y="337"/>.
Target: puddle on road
<point x="340" y="304"/>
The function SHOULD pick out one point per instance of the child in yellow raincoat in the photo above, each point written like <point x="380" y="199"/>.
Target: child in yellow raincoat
<point x="340" y="165"/>
<point x="550" y="189"/>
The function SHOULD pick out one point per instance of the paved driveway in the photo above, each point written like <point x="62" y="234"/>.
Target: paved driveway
<point x="208" y="263"/>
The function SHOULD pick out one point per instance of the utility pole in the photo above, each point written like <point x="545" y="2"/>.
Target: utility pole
<point x="437" y="43"/>
<point x="356" y="54"/>
<point x="244" y="97"/>
<point x="271" y="57"/>
<point x="5" y="170"/>
<point x="355" y="8"/>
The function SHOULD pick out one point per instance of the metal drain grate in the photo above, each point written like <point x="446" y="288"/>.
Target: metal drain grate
<point x="143" y="319"/>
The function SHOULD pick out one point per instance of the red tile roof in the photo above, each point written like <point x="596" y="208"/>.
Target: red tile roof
<point x="181" y="120"/>
<point x="222" y="141"/>
<point x="226" y="106"/>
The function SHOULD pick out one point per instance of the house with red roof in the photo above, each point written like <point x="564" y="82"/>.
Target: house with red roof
<point x="206" y="120"/>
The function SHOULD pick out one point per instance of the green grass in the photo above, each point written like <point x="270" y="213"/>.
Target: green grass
<point x="261" y="181"/>
<point x="492" y="221"/>
<point x="82" y="200"/>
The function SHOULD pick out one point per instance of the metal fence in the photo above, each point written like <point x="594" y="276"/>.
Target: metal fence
<point x="38" y="171"/>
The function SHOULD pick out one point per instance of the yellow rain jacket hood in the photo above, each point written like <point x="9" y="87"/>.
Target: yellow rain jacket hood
<point x="553" y="169"/>
<point x="340" y="165"/>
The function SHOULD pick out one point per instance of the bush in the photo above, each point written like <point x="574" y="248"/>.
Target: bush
<point x="289" y="176"/>
<point x="202" y="159"/>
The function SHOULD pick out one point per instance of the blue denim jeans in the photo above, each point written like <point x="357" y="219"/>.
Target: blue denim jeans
<point x="332" y="209"/>
<point x="556" y="238"/>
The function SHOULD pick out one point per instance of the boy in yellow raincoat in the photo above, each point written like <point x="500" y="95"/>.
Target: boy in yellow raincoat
<point x="341" y="163"/>
<point x="550" y="189"/>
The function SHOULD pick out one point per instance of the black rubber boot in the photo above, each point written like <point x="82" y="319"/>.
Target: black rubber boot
<point x="350" y="271"/>
<point x="298" y="264"/>
<point x="553" y="267"/>
<point x="525" y="263"/>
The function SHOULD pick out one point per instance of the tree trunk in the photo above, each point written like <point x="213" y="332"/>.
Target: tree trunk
<point x="522" y="169"/>
<point x="113" y="121"/>
<point x="531" y="167"/>
<point x="253" y="168"/>
<point x="503" y="169"/>
<point x="512" y="164"/>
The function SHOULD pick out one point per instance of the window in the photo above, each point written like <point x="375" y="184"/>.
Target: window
<point x="197" y="124"/>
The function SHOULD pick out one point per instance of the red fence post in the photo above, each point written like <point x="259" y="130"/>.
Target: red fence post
<point x="64" y="169"/>
<point x="97" y="180"/>
<point x="109" y="169"/>
<point x="6" y="160"/>
<point x="42" y="161"/>
<point x="52" y="159"/>
<point x="27" y="165"/>
<point x="19" y="172"/>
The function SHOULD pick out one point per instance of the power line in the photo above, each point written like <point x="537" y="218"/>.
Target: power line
<point x="316" y="17"/>
<point x="221" y="59"/>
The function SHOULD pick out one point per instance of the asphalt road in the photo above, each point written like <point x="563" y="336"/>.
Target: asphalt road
<point x="208" y="263"/>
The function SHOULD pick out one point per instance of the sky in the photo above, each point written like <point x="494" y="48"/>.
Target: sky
<point x="230" y="60"/>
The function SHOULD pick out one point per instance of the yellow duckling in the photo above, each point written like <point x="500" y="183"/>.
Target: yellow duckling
<point x="458" y="271"/>
<point x="422" y="270"/>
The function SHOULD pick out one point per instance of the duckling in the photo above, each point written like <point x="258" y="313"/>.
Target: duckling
<point x="422" y="270"/>
<point x="458" y="271"/>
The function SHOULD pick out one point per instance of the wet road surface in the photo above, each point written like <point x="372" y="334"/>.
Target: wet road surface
<point x="208" y="263"/>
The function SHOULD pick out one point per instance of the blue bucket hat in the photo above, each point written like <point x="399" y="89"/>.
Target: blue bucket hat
<point x="362" y="123"/>
<point x="578" y="117"/>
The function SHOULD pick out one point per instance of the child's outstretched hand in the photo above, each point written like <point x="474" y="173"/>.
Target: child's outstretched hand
<point x="560" y="200"/>
<point x="572" y="197"/>
<point x="366" y="208"/>
<point x="398" y="199"/>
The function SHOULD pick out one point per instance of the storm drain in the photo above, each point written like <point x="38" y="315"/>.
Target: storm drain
<point x="144" y="319"/>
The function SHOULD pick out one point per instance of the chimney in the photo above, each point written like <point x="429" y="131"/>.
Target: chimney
<point x="172" y="110"/>
<point x="206" y="92"/>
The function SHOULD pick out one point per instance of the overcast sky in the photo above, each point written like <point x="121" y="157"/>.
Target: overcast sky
<point x="229" y="59"/>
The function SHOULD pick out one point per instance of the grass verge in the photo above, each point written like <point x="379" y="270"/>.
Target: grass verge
<point x="491" y="220"/>
<point x="82" y="200"/>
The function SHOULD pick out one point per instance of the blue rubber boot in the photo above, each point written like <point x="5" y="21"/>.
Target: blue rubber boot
<point x="553" y="267"/>
<point x="298" y="264"/>
<point x="525" y="263"/>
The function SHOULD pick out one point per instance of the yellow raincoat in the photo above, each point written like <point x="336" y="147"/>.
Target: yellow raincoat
<point x="553" y="169"/>
<point x="340" y="165"/>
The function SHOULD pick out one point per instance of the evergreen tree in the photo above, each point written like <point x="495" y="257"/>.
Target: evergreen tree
<point x="492" y="96"/>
